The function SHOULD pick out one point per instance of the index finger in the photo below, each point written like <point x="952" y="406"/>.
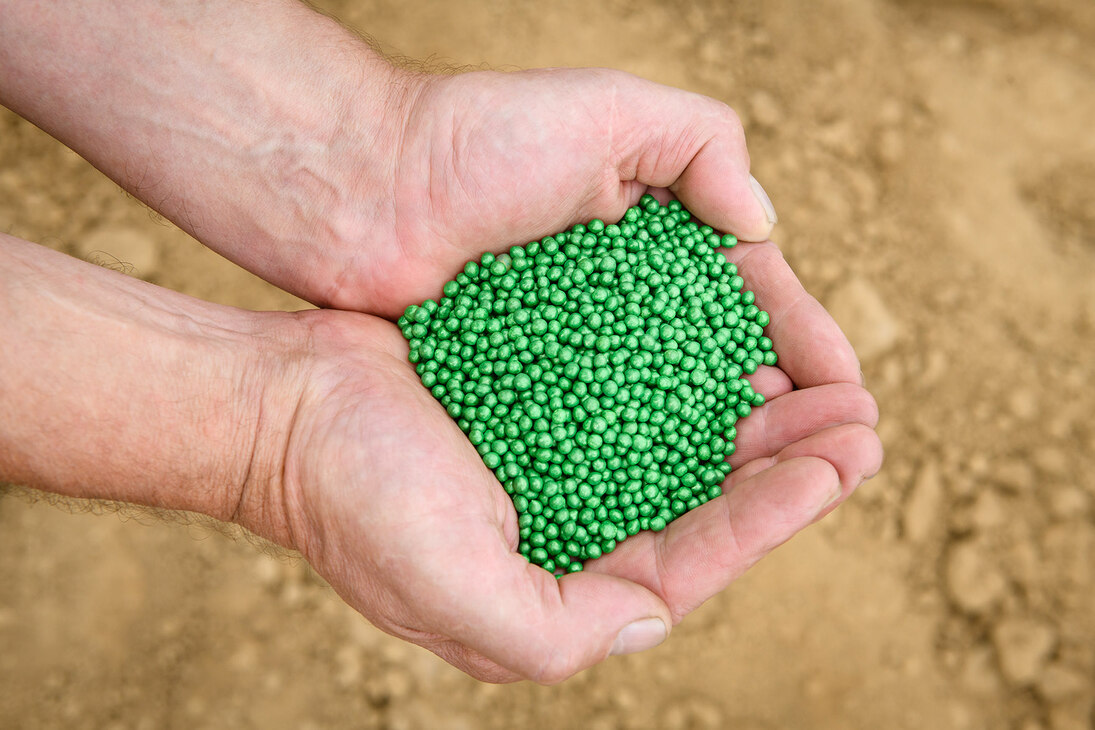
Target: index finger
<point x="812" y="350"/>
<point x="765" y="504"/>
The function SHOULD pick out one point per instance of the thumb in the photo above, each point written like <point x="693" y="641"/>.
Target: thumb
<point x="695" y="146"/>
<point x="520" y="617"/>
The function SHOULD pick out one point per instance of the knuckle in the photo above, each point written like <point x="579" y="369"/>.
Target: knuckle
<point x="727" y="119"/>
<point x="555" y="667"/>
<point x="490" y="673"/>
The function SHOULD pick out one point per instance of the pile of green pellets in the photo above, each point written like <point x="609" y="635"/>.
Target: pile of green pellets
<point x="600" y="373"/>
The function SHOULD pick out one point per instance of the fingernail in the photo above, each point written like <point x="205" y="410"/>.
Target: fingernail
<point x="764" y="200"/>
<point x="639" y="636"/>
<point x="830" y="500"/>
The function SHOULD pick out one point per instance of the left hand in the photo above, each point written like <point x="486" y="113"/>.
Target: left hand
<point x="388" y="500"/>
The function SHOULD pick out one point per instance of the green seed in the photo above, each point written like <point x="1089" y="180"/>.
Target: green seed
<point x="600" y="373"/>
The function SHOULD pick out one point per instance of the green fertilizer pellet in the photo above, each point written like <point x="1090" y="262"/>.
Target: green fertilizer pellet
<point x="600" y="373"/>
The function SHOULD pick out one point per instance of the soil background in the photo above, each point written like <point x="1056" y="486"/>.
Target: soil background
<point x="933" y="164"/>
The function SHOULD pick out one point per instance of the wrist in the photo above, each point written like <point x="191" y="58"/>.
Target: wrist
<point x="304" y="387"/>
<point x="123" y="391"/>
<point x="261" y="496"/>
<point x="344" y="207"/>
<point x="266" y="130"/>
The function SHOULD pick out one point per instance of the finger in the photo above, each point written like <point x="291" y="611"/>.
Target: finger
<point x="789" y="418"/>
<point x="771" y="382"/>
<point x="854" y="450"/>
<point x="507" y="612"/>
<point x="812" y="350"/>
<point x="695" y="147"/>
<point x="764" y="504"/>
<point x="701" y="553"/>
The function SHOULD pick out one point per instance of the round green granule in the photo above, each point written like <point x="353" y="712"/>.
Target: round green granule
<point x="600" y="373"/>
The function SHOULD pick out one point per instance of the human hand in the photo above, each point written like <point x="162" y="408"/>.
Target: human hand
<point x="488" y="160"/>
<point x="390" y="502"/>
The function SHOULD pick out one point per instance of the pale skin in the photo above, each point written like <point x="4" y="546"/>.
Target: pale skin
<point x="284" y="142"/>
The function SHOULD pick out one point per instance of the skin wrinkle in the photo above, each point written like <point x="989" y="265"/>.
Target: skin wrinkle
<point x="286" y="492"/>
<point x="680" y="609"/>
<point x="555" y="666"/>
<point x="476" y="663"/>
<point x="762" y="415"/>
<point x="693" y="143"/>
<point x="236" y="510"/>
<point x="548" y="658"/>
<point x="558" y="664"/>
<point x="732" y="516"/>
<point x="612" y="157"/>
<point x="623" y="157"/>
<point x="757" y="422"/>
<point x="661" y="574"/>
<point x="434" y="214"/>
<point x="616" y="185"/>
<point x="649" y="161"/>
<point x="462" y="649"/>
<point x="750" y="470"/>
<point x="288" y="502"/>
<point x="405" y="95"/>
<point x="403" y="249"/>
<point x="454" y="162"/>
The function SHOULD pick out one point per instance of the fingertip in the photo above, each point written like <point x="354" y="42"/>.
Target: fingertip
<point x="878" y="457"/>
<point x="853" y="450"/>
<point x="804" y="487"/>
<point x="869" y="407"/>
<point x="710" y="174"/>
<point x="721" y="193"/>
<point x="766" y="205"/>
<point x="640" y="635"/>
<point x="862" y="440"/>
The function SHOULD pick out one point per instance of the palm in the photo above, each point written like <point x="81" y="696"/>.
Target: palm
<point x="409" y="525"/>
<point x="383" y="471"/>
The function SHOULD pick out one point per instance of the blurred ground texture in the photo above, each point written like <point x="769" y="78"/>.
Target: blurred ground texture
<point x="933" y="165"/>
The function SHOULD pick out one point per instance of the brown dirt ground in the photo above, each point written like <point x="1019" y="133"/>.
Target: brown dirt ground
<point x="934" y="167"/>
